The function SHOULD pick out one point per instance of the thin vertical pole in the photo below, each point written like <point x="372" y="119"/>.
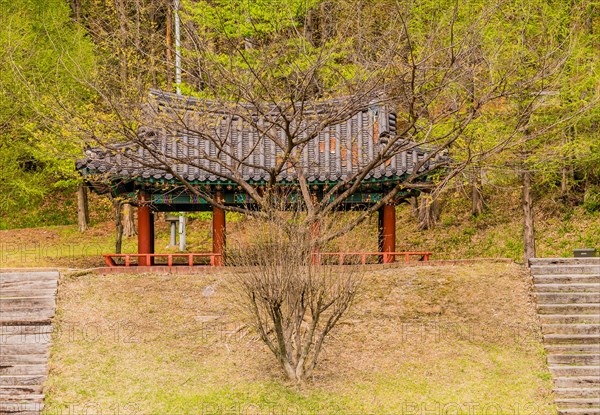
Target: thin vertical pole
<point x="182" y="238"/>
<point x="177" y="47"/>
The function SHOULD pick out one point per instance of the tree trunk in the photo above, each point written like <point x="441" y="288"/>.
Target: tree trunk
<point x="119" y="226"/>
<point x="309" y="26"/>
<point x="429" y="211"/>
<point x="414" y="207"/>
<point x="476" y="195"/>
<point x="528" y="229"/>
<point x="76" y="7"/>
<point x="128" y="221"/>
<point x="566" y="179"/>
<point x="83" y="214"/>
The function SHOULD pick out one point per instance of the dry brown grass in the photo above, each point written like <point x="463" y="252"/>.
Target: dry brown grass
<point x="442" y="337"/>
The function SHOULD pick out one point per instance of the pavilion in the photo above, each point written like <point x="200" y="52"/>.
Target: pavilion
<point x="136" y="170"/>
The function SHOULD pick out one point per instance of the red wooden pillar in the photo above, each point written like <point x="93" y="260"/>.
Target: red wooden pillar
<point x="387" y="232"/>
<point x="218" y="233"/>
<point x="145" y="230"/>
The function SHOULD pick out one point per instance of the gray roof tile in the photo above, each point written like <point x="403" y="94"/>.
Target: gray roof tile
<point x="333" y="155"/>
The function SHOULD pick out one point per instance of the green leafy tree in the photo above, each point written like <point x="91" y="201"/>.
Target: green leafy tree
<point x="39" y="47"/>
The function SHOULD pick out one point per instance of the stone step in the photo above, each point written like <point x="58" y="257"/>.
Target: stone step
<point x="14" y="390"/>
<point x="577" y="392"/>
<point x="22" y="380"/>
<point x="28" y="285"/>
<point x="571" y="329"/>
<point x="569" y="298"/>
<point x="17" y="304"/>
<point x="28" y="293"/>
<point x="18" y="408"/>
<point x="28" y="276"/>
<point x="566" y="279"/>
<point x="578" y="339"/>
<point x="565" y="261"/>
<point x="593" y="269"/>
<point x="32" y="397"/>
<point x="27" y="317"/>
<point x="568" y="403"/>
<point x="575" y="287"/>
<point x="569" y="309"/>
<point x="570" y="318"/>
<point x="578" y="411"/>
<point x="24" y="349"/>
<point x="577" y="382"/>
<point x="571" y="371"/>
<point x="572" y="348"/>
<point x="22" y="369"/>
<point x="27" y="338"/>
<point x="24" y="359"/>
<point x="575" y="359"/>
<point x="24" y="330"/>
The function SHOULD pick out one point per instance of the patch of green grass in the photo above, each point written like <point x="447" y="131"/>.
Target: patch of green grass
<point x="442" y="338"/>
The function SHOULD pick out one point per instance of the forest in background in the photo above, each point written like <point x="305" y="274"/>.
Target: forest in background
<point x="85" y="55"/>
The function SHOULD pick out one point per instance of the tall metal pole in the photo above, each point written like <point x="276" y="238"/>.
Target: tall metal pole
<point x="177" y="47"/>
<point x="182" y="238"/>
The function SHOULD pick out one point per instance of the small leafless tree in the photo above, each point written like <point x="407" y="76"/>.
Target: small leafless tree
<point x="292" y="303"/>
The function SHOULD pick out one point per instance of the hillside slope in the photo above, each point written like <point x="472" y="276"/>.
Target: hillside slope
<point x="445" y="338"/>
<point x="496" y="234"/>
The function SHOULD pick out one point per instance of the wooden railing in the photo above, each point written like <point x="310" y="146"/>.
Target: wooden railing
<point x="215" y="259"/>
<point x="386" y="257"/>
<point x="149" y="259"/>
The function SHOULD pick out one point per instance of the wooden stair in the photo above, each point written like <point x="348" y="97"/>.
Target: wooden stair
<point x="27" y="306"/>
<point x="568" y="301"/>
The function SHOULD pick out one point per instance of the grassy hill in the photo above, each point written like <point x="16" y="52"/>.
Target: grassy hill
<point x="560" y="227"/>
<point x="444" y="338"/>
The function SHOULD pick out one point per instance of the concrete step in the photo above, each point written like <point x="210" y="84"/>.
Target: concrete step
<point x="577" y="382"/>
<point x="569" y="298"/>
<point x="572" y="371"/>
<point x="569" y="309"/>
<point x="21" y="277"/>
<point x="570" y="287"/>
<point x="591" y="269"/>
<point x="14" y="390"/>
<point x="570" y="318"/>
<point x="572" y="403"/>
<point x="578" y="339"/>
<point x="578" y="411"/>
<point x="19" y="408"/>
<point x="24" y="359"/>
<point x="572" y="348"/>
<point x="565" y="261"/>
<point x="577" y="392"/>
<point x="23" y="369"/>
<point x="568" y="403"/>
<point x="566" y="279"/>
<point x="24" y="349"/>
<point x="33" y="397"/>
<point x="27" y="338"/>
<point x="571" y="329"/>
<point x="575" y="359"/>
<point x="22" y="380"/>
<point x="14" y="304"/>
<point x="28" y="293"/>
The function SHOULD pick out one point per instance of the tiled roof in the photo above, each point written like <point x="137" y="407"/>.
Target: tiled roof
<point x="213" y="147"/>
